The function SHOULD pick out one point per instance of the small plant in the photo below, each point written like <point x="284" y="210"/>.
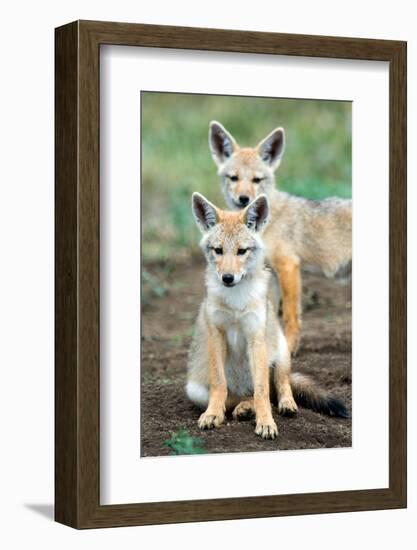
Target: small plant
<point x="182" y="443"/>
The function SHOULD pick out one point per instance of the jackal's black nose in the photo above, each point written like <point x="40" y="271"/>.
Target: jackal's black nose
<point x="228" y="278"/>
<point x="243" y="200"/>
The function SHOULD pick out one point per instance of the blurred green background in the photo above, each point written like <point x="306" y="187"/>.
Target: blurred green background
<point x="176" y="160"/>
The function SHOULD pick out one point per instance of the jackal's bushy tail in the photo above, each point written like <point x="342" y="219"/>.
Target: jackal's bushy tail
<point x="309" y="395"/>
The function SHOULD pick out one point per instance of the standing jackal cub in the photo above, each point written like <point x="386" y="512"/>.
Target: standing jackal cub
<point x="318" y="233"/>
<point x="238" y="345"/>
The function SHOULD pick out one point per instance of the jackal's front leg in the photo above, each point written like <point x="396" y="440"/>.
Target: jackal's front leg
<point x="282" y="381"/>
<point x="214" y="415"/>
<point x="288" y="270"/>
<point x="265" y="425"/>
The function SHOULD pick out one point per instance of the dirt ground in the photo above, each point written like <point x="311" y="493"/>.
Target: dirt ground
<point x="171" y="298"/>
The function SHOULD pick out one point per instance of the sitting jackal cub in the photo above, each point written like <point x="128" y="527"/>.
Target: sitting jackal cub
<point x="238" y="344"/>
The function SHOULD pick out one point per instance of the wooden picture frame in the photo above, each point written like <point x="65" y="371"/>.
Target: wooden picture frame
<point x="77" y="374"/>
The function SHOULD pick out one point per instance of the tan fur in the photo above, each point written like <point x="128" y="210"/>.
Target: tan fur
<point x="237" y="335"/>
<point x="317" y="233"/>
<point x="239" y="358"/>
<point x="288" y="270"/>
<point x="216" y="344"/>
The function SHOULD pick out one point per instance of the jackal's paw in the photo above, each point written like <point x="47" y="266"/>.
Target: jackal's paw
<point x="287" y="406"/>
<point x="208" y="420"/>
<point x="244" y="410"/>
<point x="267" y="430"/>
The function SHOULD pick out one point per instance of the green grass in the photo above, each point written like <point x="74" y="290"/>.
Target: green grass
<point x="182" y="443"/>
<point x="176" y="159"/>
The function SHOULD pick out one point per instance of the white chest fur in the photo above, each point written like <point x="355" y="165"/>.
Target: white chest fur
<point x="237" y="367"/>
<point x="240" y="312"/>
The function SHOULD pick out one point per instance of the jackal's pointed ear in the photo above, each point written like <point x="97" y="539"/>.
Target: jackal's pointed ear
<point x="222" y="144"/>
<point x="272" y="148"/>
<point x="205" y="213"/>
<point x="256" y="214"/>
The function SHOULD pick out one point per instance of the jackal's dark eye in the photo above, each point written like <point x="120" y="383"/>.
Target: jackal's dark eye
<point x="218" y="250"/>
<point x="241" y="251"/>
<point x="233" y="178"/>
<point x="257" y="180"/>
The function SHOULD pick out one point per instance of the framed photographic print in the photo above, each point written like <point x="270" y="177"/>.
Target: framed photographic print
<point x="230" y="274"/>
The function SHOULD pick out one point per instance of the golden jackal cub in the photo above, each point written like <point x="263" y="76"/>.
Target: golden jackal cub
<point x="238" y="344"/>
<point x="318" y="233"/>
